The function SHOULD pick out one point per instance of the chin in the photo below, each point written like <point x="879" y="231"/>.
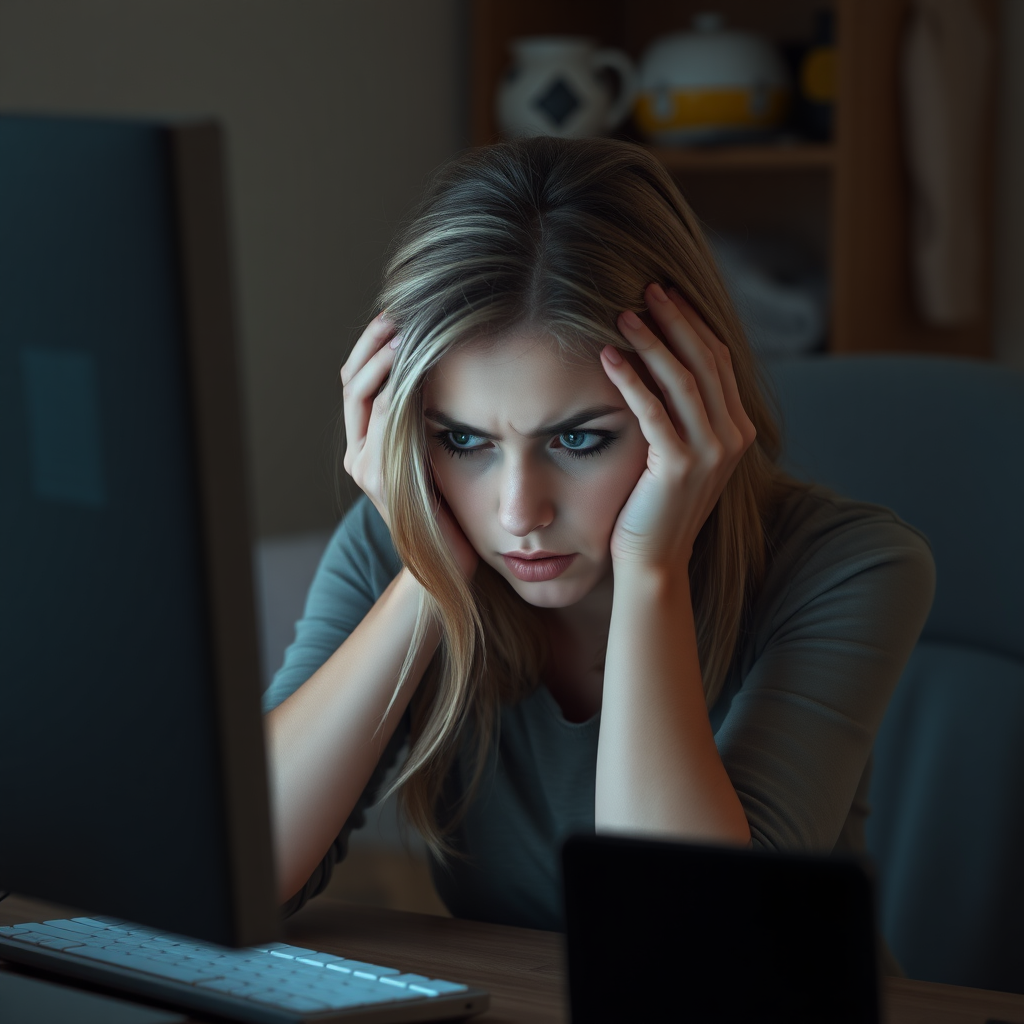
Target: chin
<point x="557" y="593"/>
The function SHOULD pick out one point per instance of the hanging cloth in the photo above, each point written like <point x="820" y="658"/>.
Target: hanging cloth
<point x="947" y="74"/>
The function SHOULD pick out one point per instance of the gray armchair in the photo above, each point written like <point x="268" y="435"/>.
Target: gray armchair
<point x="941" y="442"/>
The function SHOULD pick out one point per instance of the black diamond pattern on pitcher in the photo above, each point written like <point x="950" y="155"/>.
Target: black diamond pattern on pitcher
<point x="558" y="101"/>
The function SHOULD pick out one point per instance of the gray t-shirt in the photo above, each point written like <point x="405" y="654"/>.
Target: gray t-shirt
<point x="848" y="588"/>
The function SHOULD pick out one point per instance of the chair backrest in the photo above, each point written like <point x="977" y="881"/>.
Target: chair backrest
<point x="941" y="442"/>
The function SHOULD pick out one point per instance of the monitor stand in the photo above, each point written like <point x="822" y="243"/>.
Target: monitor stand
<point x="30" y="1000"/>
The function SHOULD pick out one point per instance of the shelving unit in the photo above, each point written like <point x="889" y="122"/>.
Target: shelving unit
<point x="848" y="200"/>
<point x="779" y="157"/>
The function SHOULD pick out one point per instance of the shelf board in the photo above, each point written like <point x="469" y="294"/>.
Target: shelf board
<point x="750" y="157"/>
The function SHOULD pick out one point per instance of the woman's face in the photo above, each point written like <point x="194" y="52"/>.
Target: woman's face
<point x="535" y="456"/>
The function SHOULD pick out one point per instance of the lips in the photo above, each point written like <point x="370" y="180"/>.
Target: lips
<point x="538" y="566"/>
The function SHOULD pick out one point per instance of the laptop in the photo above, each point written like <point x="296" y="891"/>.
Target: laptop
<point x="663" y="931"/>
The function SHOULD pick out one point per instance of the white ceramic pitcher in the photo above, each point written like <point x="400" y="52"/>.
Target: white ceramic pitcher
<point x="555" y="87"/>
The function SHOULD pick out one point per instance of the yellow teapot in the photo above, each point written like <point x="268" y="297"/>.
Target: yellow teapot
<point x="711" y="85"/>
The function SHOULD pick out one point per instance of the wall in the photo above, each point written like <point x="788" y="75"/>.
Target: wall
<point x="335" y="111"/>
<point x="1009" y="208"/>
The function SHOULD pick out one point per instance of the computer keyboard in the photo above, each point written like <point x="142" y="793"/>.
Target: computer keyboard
<point x="271" y="984"/>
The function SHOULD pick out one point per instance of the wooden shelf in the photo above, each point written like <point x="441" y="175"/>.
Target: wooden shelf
<point x="848" y="201"/>
<point x="783" y="156"/>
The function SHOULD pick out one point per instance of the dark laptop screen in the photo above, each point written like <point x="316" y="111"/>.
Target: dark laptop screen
<point x="670" y="931"/>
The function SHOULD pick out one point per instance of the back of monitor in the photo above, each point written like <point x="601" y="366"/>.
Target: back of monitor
<point x="132" y="771"/>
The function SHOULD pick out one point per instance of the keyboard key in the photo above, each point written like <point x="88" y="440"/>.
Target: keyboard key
<point x="89" y="922"/>
<point x="57" y="933"/>
<point x="189" y="975"/>
<point x="407" y="979"/>
<point x="345" y="996"/>
<point x="233" y="985"/>
<point x="107" y="956"/>
<point x="319" y="959"/>
<point x="361" y="969"/>
<point x="61" y="943"/>
<point x="292" y="951"/>
<point x="197" y="970"/>
<point x="303" y="1004"/>
<point x="436" y="987"/>
<point x="249" y="968"/>
<point x="297" y="970"/>
<point x="190" y="949"/>
<point x="73" y="926"/>
<point x="279" y="969"/>
<point x="372" y="973"/>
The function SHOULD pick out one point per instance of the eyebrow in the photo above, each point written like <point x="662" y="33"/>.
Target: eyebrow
<point x="577" y="419"/>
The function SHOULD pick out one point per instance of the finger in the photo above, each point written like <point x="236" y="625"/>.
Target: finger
<point x="377" y="332"/>
<point x="726" y="374"/>
<point x="677" y="383"/>
<point x="360" y="392"/>
<point x="655" y="422"/>
<point x="698" y="356"/>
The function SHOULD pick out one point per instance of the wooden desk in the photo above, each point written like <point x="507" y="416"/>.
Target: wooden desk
<point x="523" y="969"/>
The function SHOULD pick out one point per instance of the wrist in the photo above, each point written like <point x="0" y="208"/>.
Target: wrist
<point x="650" y="580"/>
<point x="408" y="592"/>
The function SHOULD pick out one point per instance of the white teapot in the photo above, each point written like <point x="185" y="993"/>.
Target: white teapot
<point x="711" y="85"/>
<point x="555" y="87"/>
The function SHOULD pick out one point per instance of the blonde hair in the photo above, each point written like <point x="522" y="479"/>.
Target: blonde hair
<point x="558" y="237"/>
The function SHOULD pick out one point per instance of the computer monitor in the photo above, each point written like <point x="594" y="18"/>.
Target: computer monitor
<point x="132" y="772"/>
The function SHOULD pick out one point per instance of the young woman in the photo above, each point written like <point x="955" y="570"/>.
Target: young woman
<point x="578" y="586"/>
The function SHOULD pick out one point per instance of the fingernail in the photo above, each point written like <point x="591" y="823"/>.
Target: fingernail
<point x="632" y="320"/>
<point x="658" y="292"/>
<point x="612" y="354"/>
<point x="395" y="341"/>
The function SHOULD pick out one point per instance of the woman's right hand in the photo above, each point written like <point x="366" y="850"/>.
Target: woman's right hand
<point x="365" y="396"/>
<point x="365" y="400"/>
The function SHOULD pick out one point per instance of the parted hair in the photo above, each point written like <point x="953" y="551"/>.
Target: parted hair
<point x="556" y="237"/>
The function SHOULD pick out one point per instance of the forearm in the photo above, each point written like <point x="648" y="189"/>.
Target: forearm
<point x="324" y="741"/>
<point x="658" y="769"/>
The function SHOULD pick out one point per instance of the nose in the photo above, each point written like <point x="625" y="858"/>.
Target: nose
<point x="525" y="503"/>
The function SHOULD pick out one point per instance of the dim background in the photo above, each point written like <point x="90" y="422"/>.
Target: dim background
<point x="336" y="112"/>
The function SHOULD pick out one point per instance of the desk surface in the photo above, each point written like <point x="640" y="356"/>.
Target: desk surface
<point x="523" y="969"/>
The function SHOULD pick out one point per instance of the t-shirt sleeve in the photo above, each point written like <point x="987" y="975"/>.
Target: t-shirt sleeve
<point x="830" y="640"/>
<point x="356" y="568"/>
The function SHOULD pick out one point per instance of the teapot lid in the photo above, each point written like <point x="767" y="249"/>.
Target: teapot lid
<point x="708" y="21"/>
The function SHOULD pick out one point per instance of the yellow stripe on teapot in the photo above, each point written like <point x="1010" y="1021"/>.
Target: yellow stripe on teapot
<point x="711" y="85"/>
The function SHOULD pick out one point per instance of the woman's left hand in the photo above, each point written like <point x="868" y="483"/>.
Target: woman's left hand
<point x="697" y="434"/>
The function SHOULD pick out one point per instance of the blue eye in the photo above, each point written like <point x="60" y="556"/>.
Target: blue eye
<point x="581" y="443"/>
<point x="455" y="442"/>
<point x="575" y="439"/>
<point x="577" y="444"/>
